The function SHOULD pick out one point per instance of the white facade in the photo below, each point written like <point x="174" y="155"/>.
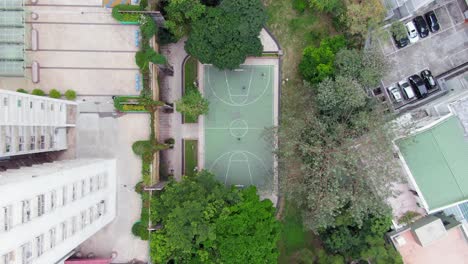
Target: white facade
<point x="48" y="210"/>
<point x="32" y="124"/>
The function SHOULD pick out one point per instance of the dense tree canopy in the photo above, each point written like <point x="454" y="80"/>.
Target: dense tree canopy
<point x="362" y="15"/>
<point x="398" y="30"/>
<point x="180" y="13"/>
<point x="328" y="6"/>
<point x="205" y="222"/>
<point x="318" y="62"/>
<point x="228" y="33"/>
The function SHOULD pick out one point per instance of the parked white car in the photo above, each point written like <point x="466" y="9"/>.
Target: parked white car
<point x="407" y="90"/>
<point x="395" y="93"/>
<point x="412" y="32"/>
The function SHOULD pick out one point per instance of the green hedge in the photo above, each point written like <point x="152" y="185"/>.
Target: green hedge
<point x="126" y="17"/>
<point x="121" y="105"/>
<point x="140" y="230"/>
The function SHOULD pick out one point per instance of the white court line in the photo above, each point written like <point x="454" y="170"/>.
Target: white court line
<point x="228" y="128"/>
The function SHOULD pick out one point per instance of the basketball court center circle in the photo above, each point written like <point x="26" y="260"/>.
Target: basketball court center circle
<point x="238" y="128"/>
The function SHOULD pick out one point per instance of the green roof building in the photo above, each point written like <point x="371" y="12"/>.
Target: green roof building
<point x="436" y="160"/>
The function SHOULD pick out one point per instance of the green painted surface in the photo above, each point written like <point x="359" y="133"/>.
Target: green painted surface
<point x="438" y="160"/>
<point x="190" y="76"/>
<point x="191" y="156"/>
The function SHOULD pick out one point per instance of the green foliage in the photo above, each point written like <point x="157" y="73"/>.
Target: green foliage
<point x="362" y="15"/>
<point x="181" y="13"/>
<point x="144" y="147"/>
<point x="148" y="27"/>
<point x="140" y="230"/>
<point x="192" y="103"/>
<point x="299" y="5"/>
<point x="328" y="6"/>
<point x="408" y="217"/>
<point x="206" y="222"/>
<point x="54" y="94"/>
<point x="70" y="95"/>
<point x="165" y="37"/>
<point x="367" y="67"/>
<point x="317" y="63"/>
<point x="21" y="90"/>
<point x="227" y="34"/>
<point x="143" y="4"/>
<point x="398" y="30"/>
<point x="126" y="17"/>
<point x="38" y="92"/>
<point x="324" y="258"/>
<point x="144" y="57"/>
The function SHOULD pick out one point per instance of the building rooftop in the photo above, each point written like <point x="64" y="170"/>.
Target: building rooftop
<point x="437" y="159"/>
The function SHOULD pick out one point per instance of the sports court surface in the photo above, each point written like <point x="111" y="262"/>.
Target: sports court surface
<point x="242" y="106"/>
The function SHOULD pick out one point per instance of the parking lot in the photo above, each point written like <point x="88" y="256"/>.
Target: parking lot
<point x="439" y="52"/>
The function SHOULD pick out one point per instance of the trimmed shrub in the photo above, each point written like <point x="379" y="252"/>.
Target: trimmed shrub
<point x="70" y="95"/>
<point x="38" y="92"/>
<point x="139" y="187"/>
<point x="21" y="90"/>
<point x="139" y="230"/>
<point x="126" y="17"/>
<point x="55" y="94"/>
<point x="299" y="5"/>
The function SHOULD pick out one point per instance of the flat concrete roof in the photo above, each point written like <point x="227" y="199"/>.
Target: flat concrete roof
<point x="437" y="158"/>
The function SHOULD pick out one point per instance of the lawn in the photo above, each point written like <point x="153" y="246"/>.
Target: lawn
<point x="190" y="76"/>
<point x="190" y="156"/>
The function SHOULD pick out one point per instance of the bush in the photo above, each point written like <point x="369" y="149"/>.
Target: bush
<point x="398" y="30"/>
<point x="148" y="28"/>
<point x="408" y="217"/>
<point x="141" y="147"/>
<point x="55" y="94"/>
<point x="144" y="57"/>
<point x="139" y="187"/>
<point x="170" y="141"/>
<point x="70" y="95"/>
<point x="139" y="230"/>
<point x="38" y="92"/>
<point x="126" y="17"/>
<point x="21" y="90"/>
<point x="299" y="5"/>
<point x="192" y="104"/>
<point x="143" y="4"/>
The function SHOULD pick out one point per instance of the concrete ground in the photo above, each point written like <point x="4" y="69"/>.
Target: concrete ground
<point x="113" y="137"/>
<point x="439" y="52"/>
<point x="93" y="55"/>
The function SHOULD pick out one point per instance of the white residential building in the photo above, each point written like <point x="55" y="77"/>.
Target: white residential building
<point x="32" y="124"/>
<point x="48" y="210"/>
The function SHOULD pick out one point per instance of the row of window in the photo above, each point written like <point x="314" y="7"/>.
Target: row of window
<point x="35" y="140"/>
<point x="49" y="240"/>
<point x="19" y="103"/>
<point x="48" y="202"/>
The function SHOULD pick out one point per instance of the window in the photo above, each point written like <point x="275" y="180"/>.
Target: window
<point x="63" y="226"/>
<point x="31" y="105"/>
<point x="5" y="101"/>
<point x="91" y="214"/>
<point x="40" y="205"/>
<point x="75" y="185"/>
<point x="91" y="184"/>
<point x="7" y="144"/>
<point x="73" y="225"/>
<point x="8" y="258"/>
<point x="21" y="143"/>
<point x="52" y="141"/>
<point x="26" y="212"/>
<point x="19" y="102"/>
<point x="42" y="142"/>
<point x="39" y="245"/>
<point x="102" y="209"/>
<point x="42" y="106"/>
<point x="53" y="200"/>
<point x="83" y="188"/>
<point x="52" y="107"/>
<point x="61" y="107"/>
<point x="52" y="237"/>
<point x="64" y="195"/>
<point x="33" y="143"/>
<point x="26" y="253"/>
<point x="5" y="218"/>
<point x="83" y="219"/>
<point x="99" y="181"/>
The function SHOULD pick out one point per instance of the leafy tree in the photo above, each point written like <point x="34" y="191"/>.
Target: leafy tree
<point x="70" y="95"/>
<point x="144" y="147"/>
<point x="299" y="5"/>
<point x="340" y="99"/>
<point x="192" y="103"/>
<point x="367" y="67"/>
<point x="329" y="6"/>
<point x="206" y="222"/>
<point x="398" y="30"/>
<point x="147" y="55"/>
<point x="148" y="27"/>
<point x="38" y="92"/>
<point x="228" y="33"/>
<point x="317" y="63"/>
<point x="181" y="13"/>
<point x="362" y="15"/>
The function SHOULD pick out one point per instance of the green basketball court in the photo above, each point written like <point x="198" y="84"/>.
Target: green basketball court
<point x="241" y="107"/>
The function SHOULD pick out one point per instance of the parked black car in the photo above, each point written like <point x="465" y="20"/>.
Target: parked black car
<point x="428" y="79"/>
<point x="400" y="43"/>
<point x="421" y="26"/>
<point x="432" y="21"/>
<point x="418" y="86"/>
